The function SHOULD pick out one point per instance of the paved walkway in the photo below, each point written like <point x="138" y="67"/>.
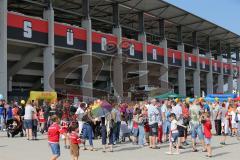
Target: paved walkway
<point x="20" y="149"/>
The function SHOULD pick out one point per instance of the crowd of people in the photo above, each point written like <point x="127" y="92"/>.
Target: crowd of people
<point x="146" y="123"/>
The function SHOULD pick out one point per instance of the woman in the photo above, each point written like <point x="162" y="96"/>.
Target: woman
<point x="28" y="118"/>
<point x="87" y="130"/>
<point x="35" y="122"/>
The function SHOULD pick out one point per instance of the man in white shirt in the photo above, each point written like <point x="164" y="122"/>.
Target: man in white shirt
<point x="28" y="117"/>
<point x="80" y="114"/>
<point x="153" y="115"/>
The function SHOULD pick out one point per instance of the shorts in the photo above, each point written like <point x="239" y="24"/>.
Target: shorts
<point x="166" y="127"/>
<point x="55" y="147"/>
<point x="181" y="131"/>
<point x="153" y="129"/>
<point x="197" y="131"/>
<point x="28" y="123"/>
<point x="207" y="141"/>
<point x="225" y="129"/>
<point x="135" y="132"/>
<point x="74" y="150"/>
<point x="174" y="137"/>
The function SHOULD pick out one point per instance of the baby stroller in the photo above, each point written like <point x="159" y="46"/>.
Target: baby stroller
<point x="14" y="127"/>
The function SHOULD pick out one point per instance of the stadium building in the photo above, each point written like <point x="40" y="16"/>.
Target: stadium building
<point x="113" y="47"/>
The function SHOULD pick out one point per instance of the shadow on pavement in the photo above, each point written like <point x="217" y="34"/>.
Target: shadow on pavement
<point x="221" y="154"/>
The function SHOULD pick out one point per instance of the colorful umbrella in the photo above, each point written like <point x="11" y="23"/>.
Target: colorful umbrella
<point x="100" y="108"/>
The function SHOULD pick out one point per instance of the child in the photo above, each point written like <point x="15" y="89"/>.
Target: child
<point x="64" y="125"/>
<point x="124" y="129"/>
<point x="174" y="134"/>
<point x="74" y="142"/>
<point x="207" y="133"/>
<point x="53" y="137"/>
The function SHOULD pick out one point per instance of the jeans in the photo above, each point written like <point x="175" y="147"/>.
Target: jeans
<point x="2" y="122"/>
<point x="197" y="131"/>
<point x="141" y="134"/>
<point x="116" y="132"/>
<point x="130" y="124"/>
<point x="218" y="127"/>
<point x="238" y="125"/>
<point x="88" y="133"/>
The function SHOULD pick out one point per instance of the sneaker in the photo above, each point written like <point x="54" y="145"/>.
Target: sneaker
<point x="185" y="143"/>
<point x="181" y="147"/>
<point x="223" y="143"/>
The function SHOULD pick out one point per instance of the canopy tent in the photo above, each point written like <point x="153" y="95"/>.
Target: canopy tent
<point x="237" y="99"/>
<point x="169" y="95"/>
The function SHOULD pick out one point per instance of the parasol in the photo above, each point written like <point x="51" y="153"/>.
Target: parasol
<point x="100" y="108"/>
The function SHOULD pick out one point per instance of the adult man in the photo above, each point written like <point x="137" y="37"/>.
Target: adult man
<point x="80" y="114"/>
<point x="196" y="127"/>
<point x="166" y="123"/>
<point x="28" y="117"/>
<point x="217" y="118"/>
<point x="153" y="115"/>
<point x="117" y="119"/>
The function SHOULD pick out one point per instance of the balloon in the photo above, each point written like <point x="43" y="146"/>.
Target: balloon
<point x="22" y="102"/>
<point x="1" y="96"/>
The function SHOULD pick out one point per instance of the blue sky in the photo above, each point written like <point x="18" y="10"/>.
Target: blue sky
<point x="225" y="13"/>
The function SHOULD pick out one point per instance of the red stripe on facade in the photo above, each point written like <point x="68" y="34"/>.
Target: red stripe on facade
<point x="176" y="53"/>
<point x="78" y="33"/>
<point x="193" y="57"/>
<point x="17" y="21"/>
<point x="228" y="66"/>
<point x="97" y="38"/>
<point x="203" y="59"/>
<point x="218" y="63"/>
<point x="160" y="51"/>
<point x="138" y="46"/>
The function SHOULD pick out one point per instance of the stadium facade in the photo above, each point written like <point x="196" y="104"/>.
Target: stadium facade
<point x="91" y="47"/>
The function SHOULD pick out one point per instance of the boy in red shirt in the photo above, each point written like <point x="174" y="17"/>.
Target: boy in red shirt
<point x="74" y="142"/>
<point x="207" y="133"/>
<point x="53" y="137"/>
<point x="64" y="126"/>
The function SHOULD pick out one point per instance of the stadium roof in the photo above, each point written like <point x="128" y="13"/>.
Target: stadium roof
<point x="70" y="11"/>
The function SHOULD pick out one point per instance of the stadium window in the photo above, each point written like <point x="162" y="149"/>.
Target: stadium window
<point x="104" y="44"/>
<point x="154" y="54"/>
